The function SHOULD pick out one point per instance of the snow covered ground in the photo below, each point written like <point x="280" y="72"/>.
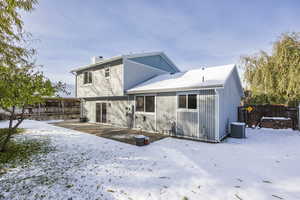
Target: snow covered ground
<point x="266" y="165"/>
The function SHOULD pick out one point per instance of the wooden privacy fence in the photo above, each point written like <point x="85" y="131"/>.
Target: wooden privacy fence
<point x="252" y="114"/>
<point x="52" y="108"/>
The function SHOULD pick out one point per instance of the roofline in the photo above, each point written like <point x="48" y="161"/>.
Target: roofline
<point x="161" y="53"/>
<point x="96" y="64"/>
<point x="89" y="66"/>
<point x="234" y="69"/>
<point x="211" y="87"/>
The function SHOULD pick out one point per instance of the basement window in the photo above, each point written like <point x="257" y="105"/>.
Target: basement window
<point x="87" y="77"/>
<point x="145" y="104"/>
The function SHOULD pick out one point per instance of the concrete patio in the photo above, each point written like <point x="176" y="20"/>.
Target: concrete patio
<point x="107" y="131"/>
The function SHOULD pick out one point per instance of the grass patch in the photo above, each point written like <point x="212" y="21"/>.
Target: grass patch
<point x="4" y="131"/>
<point x="21" y="150"/>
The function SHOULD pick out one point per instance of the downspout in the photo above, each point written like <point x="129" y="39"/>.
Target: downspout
<point x="217" y="116"/>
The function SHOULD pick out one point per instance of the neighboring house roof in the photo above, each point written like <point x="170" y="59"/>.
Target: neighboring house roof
<point x="154" y="59"/>
<point x="210" y="77"/>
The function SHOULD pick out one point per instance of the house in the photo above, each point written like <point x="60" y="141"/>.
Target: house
<point x="147" y="91"/>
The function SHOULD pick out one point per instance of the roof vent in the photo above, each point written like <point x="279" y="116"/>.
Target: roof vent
<point x="203" y="68"/>
<point x="96" y="59"/>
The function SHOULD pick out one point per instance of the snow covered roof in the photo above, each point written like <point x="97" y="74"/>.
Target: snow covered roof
<point x="210" y="77"/>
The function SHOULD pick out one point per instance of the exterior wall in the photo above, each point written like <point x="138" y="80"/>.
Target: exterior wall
<point x="229" y="100"/>
<point x="200" y="123"/>
<point x="102" y="86"/>
<point x="119" y="111"/>
<point x="156" y="61"/>
<point x="165" y="111"/>
<point x="145" y="121"/>
<point x="136" y="73"/>
<point x="207" y="114"/>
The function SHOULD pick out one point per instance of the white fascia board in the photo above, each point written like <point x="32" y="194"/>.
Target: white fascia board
<point x="168" y="60"/>
<point x="174" y="90"/>
<point x="240" y="87"/>
<point x="96" y="64"/>
<point x="134" y="55"/>
<point x="147" y="66"/>
<point x="160" y="53"/>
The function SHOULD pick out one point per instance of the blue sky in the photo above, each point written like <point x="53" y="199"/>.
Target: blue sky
<point x="192" y="33"/>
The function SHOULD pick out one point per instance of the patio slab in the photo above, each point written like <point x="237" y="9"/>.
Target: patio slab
<point x="107" y="131"/>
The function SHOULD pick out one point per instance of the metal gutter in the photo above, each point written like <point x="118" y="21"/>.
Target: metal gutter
<point x="176" y="89"/>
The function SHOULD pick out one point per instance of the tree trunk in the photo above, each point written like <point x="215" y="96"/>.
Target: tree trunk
<point x="11" y="128"/>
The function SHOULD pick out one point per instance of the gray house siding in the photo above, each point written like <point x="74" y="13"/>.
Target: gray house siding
<point x="229" y="100"/>
<point x="197" y="124"/>
<point x="136" y="73"/>
<point x="145" y="121"/>
<point x="200" y="123"/>
<point x="102" y="86"/>
<point x="165" y="111"/>
<point x="156" y="61"/>
<point x="207" y="111"/>
<point x="119" y="111"/>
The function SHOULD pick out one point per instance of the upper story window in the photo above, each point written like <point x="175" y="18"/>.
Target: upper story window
<point x="87" y="77"/>
<point x="145" y="104"/>
<point x="107" y="72"/>
<point x="187" y="101"/>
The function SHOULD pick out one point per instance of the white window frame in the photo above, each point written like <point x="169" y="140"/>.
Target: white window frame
<point x="107" y="68"/>
<point x="187" y="102"/>
<point x="89" y="73"/>
<point x="144" y="112"/>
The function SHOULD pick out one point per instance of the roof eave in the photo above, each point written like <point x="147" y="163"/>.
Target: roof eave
<point x="86" y="67"/>
<point x="176" y="89"/>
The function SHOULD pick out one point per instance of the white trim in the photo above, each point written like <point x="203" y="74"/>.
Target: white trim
<point x="169" y="61"/>
<point x="217" y="115"/>
<point x="196" y="110"/>
<point x="131" y="91"/>
<point x="134" y="112"/>
<point x="147" y="66"/>
<point x="86" y="67"/>
<point x="144" y="112"/>
<point x="186" y="93"/>
<point x="176" y="101"/>
<point x="155" y="109"/>
<point x="107" y="113"/>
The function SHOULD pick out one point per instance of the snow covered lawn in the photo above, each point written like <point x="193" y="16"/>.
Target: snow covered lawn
<point x="266" y="165"/>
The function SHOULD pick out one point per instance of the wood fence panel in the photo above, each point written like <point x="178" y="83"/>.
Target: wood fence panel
<point x="253" y="117"/>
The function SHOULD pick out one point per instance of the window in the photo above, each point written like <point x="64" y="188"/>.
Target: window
<point x="192" y="101"/>
<point x="139" y="104"/>
<point x="145" y="103"/>
<point x="182" y="101"/>
<point x="87" y="77"/>
<point x="150" y="103"/>
<point x="187" y="101"/>
<point x="106" y="73"/>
